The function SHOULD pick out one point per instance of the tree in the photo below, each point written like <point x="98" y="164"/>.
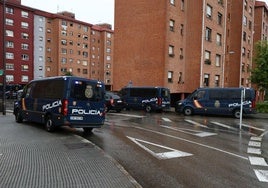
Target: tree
<point x="259" y="73"/>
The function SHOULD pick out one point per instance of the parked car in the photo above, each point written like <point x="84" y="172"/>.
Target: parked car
<point x="114" y="102"/>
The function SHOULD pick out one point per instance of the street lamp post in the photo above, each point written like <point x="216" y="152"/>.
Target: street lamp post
<point x="4" y="58"/>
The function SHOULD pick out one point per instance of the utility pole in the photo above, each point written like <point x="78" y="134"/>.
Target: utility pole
<point x="4" y="58"/>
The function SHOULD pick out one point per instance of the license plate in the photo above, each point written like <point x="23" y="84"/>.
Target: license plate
<point x="76" y="118"/>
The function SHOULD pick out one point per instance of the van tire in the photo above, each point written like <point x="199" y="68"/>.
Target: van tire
<point x="237" y="113"/>
<point x="87" y="130"/>
<point x="188" y="111"/>
<point x="18" y="116"/>
<point x="148" y="108"/>
<point x="49" y="125"/>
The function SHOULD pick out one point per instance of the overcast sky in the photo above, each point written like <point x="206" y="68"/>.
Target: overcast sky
<point x="90" y="11"/>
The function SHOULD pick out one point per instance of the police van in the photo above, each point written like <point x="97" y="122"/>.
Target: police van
<point x="62" y="101"/>
<point x="218" y="101"/>
<point x="147" y="98"/>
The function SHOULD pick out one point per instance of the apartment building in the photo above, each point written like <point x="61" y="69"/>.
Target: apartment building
<point x="54" y="44"/>
<point x="18" y="46"/>
<point x="239" y="43"/>
<point x="183" y="44"/>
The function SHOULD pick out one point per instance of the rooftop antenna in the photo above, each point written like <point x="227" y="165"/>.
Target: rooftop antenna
<point x="58" y="8"/>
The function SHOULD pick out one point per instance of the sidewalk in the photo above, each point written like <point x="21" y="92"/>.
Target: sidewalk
<point x="32" y="157"/>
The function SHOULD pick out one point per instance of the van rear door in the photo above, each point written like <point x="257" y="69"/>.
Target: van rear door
<point x="86" y="104"/>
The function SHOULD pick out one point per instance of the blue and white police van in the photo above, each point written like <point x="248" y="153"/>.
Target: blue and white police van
<point x="147" y="98"/>
<point x="218" y="101"/>
<point x="62" y="101"/>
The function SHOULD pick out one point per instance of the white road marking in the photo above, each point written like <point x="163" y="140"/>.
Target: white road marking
<point x="191" y="132"/>
<point x="173" y="153"/>
<point x="166" y="119"/>
<point x="254" y="144"/>
<point x="257" y="161"/>
<point x="254" y="151"/>
<point x="254" y="138"/>
<point x="192" y="142"/>
<point x="195" y="123"/>
<point x="262" y="175"/>
<point x="223" y="125"/>
<point x="251" y="127"/>
<point x="126" y="115"/>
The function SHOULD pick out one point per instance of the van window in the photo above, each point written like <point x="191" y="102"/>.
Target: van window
<point x="82" y="90"/>
<point x="165" y="93"/>
<point x="199" y="95"/>
<point x="48" y="89"/>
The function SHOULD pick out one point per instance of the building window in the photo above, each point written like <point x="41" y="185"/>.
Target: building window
<point x="220" y="2"/>
<point x="24" y="14"/>
<point x="172" y="2"/>
<point x="9" y="44"/>
<point x="64" y="51"/>
<point x="24" y="25"/>
<point x="24" y="46"/>
<point x="170" y="76"/>
<point x="244" y="20"/>
<point x="209" y="11"/>
<point x="9" y="21"/>
<point x="10" y="78"/>
<point x="84" y="71"/>
<point x="9" y="55"/>
<point x="208" y="34"/>
<point x="25" y="57"/>
<point x="182" y="29"/>
<point x="243" y="51"/>
<point x="109" y="35"/>
<point x="24" y="67"/>
<point x="218" y="60"/>
<point x="85" y="28"/>
<point x="24" y="78"/>
<point x="182" y="5"/>
<point x="9" y="66"/>
<point x="9" y="10"/>
<point x="218" y="39"/>
<point x="64" y="42"/>
<point x="171" y="25"/>
<point x="244" y="36"/>
<point x="63" y="60"/>
<point x="219" y="18"/>
<point x="85" y="37"/>
<point x="217" y="80"/>
<point x="181" y="53"/>
<point x="207" y="57"/>
<point x="171" y="51"/>
<point x="9" y="33"/>
<point x="24" y="35"/>
<point x="206" y="80"/>
<point x="85" y="54"/>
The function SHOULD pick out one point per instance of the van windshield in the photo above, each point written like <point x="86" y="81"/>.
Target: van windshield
<point x="83" y="90"/>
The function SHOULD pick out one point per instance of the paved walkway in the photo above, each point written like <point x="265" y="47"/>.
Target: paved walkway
<point x="32" y="157"/>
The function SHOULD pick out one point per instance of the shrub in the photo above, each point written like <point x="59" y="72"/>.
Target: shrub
<point x="262" y="107"/>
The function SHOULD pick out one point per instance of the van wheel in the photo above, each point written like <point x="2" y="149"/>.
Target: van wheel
<point x="237" y="113"/>
<point x="49" y="126"/>
<point x="148" y="108"/>
<point x="188" y="111"/>
<point x="87" y="130"/>
<point x="18" y="116"/>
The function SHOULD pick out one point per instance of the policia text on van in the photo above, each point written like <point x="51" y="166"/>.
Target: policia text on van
<point x="217" y="101"/>
<point x="61" y="101"/>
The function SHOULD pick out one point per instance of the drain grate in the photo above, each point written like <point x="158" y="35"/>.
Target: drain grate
<point x="79" y="145"/>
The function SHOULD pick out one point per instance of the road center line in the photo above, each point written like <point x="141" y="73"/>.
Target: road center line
<point x="192" y="142"/>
